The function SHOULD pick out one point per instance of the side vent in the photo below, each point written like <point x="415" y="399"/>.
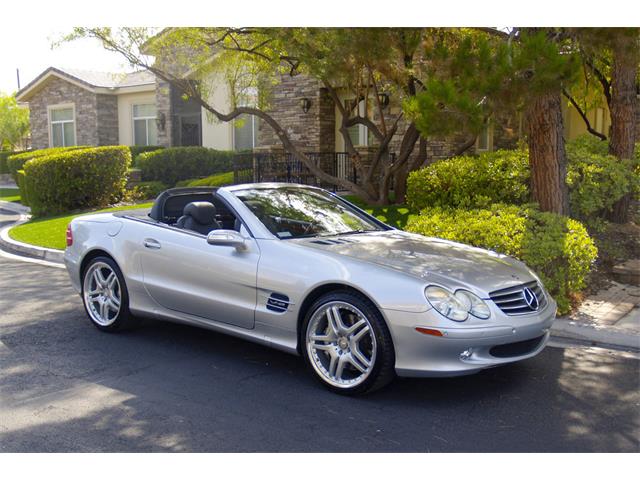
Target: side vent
<point x="278" y="303"/>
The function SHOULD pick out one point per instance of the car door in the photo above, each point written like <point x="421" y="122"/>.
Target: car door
<point x="182" y="272"/>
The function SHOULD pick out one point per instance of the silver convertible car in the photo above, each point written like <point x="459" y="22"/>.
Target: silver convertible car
<point x="302" y="270"/>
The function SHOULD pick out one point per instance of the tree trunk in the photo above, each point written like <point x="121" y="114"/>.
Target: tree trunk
<point x="546" y="153"/>
<point x="623" y="119"/>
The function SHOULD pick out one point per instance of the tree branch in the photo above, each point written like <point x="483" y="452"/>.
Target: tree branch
<point x="583" y="115"/>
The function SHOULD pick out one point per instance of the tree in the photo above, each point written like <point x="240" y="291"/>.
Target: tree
<point x="365" y="62"/>
<point x="491" y="71"/>
<point x="14" y="123"/>
<point x="611" y="57"/>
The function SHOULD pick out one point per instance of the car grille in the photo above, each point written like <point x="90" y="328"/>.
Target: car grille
<point x="516" y="349"/>
<point x="521" y="299"/>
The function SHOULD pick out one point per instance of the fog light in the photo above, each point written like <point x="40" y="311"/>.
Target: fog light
<point x="466" y="354"/>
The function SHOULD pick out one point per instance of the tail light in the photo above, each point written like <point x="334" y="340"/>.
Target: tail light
<point x="69" y="236"/>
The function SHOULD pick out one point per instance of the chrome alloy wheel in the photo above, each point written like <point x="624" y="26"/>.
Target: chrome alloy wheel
<point x="341" y="344"/>
<point x="102" y="294"/>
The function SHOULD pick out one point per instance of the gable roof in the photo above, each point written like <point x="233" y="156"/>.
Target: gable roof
<point x="96" y="82"/>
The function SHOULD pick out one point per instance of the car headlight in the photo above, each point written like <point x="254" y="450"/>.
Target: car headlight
<point x="456" y="306"/>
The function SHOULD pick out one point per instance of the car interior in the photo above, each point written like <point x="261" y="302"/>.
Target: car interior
<point x="200" y="212"/>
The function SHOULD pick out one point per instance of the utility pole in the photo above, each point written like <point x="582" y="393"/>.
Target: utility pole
<point x="18" y="77"/>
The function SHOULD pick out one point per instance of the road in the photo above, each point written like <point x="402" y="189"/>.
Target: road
<point x="65" y="386"/>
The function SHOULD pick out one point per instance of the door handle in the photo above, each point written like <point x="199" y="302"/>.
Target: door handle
<point x="151" y="243"/>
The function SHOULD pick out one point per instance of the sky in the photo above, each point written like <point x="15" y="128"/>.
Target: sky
<point x="29" y="50"/>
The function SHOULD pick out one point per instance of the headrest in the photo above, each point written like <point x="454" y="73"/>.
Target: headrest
<point x="202" y="212"/>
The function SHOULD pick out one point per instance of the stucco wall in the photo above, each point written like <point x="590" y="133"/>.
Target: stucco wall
<point x="218" y="135"/>
<point x="125" y="113"/>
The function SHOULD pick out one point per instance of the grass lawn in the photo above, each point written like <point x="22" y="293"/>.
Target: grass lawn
<point x="10" y="194"/>
<point x="394" y="215"/>
<point x="50" y="231"/>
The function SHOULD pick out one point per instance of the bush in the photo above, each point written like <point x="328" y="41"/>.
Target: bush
<point x="24" y="194"/>
<point x="16" y="162"/>
<point x="4" y="168"/>
<point x="474" y="182"/>
<point x="595" y="179"/>
<point x="146" y="190"/>
<point x="557" y="248"/>
<point x="138" y="149"/>
<point x="171" y="165"/>
<point x="65" y="181"/>
<point x="217" y="180"/>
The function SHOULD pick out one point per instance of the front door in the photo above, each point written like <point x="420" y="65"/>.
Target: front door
<point x="182" y="272"/>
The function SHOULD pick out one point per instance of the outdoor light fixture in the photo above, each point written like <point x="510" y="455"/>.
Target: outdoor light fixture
<point x="161" y="121"/>
<point x="383" y="98"/>
<point x="305" y="103"/>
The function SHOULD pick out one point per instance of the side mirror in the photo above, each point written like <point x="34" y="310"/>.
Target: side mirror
<point x="227" y="238"/>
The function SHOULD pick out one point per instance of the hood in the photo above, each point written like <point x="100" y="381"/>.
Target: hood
<point x="432" y="259"/>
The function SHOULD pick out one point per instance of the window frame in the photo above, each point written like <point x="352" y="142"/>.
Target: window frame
<point x="363" y="130"/>
<point x="51" y="122"/>
<point x="146" y="118"/>
<point x="254" y="139"/>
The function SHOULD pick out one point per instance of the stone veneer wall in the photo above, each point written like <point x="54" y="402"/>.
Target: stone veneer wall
<point x="163" y="106"/>
<point x="312" y="131"/>
<point x="107" y="111"/>
<point x="96" y="116"/>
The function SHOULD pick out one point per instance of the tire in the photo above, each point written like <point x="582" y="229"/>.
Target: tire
<point x="103" y="284"/>
<point x="352" y="355"/>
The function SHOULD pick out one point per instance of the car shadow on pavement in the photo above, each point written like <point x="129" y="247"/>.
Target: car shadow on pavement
<point x="65" y="386"/>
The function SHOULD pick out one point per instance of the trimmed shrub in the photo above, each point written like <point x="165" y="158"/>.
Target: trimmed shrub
<point x="217" y="180"/>
<point x="474" y="182"/>
<point x="16" y="162"/>
<point x="170" y="165"/>
<point x="557" y="248"/>
<point x="4" y="168"/>
<point x="595" y="179"/>
<point x="146" y="190"/>
<point x="24" y="194"/>
<point x="138" y="149"/>
<point x="87" y="178"/>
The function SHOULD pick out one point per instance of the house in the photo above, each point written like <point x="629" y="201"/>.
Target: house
<point x="76" y="107"/>
<point x="72" y="107"/>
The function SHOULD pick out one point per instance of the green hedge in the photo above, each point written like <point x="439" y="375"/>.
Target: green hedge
<point x="595" y="179"/>
<point x="87" y="178"/>
<point x="146" y="190"/>
<point x="170" y="165"/>
<point x="4" y="168"/>
<point x="557" y="248"/>
<point x="216" y="180"/>
<point x="492" y="177"/>
<point x="16" y="162"/>
<point x="138" y="149"/>
<point x="24" y="194"/>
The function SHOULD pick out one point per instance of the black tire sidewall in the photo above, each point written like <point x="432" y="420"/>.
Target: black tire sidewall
<point x="122" y="320"/>
<point x="385" y="355"/>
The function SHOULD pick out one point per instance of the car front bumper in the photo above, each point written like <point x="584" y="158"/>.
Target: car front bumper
<point x="465" y="349"/>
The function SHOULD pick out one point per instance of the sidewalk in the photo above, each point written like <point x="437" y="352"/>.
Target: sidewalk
<point x="612" y="317"/>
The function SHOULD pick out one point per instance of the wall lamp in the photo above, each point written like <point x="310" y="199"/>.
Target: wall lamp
<point x="383" y="98"/>
<point x="305" y="103"/>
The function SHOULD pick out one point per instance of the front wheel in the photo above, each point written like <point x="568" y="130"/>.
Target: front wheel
<point x="105" y="296"/>
<point x="347" y="343"/>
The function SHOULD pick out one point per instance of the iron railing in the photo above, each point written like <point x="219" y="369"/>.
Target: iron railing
<point x="284" y="167"/>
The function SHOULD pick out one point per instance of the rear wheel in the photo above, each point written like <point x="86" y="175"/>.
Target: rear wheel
<point x="347" y="343"/>
<point x="105" y="296"/>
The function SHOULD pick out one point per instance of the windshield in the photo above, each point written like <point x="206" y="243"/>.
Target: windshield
<point x="294" y="212"/>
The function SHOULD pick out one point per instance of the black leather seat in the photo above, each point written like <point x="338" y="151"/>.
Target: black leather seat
<point x="199" y="217"/>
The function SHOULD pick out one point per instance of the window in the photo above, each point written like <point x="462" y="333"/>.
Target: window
<point x="63" y="129"/>
<point x="145" y="131"/>
<point x="245" y="133"/>
<point x="484" y="142"/>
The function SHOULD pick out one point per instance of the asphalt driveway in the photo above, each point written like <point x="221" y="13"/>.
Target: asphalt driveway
<point x="65" y="386"/>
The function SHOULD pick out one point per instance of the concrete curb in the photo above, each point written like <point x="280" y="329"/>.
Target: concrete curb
<point x="9" y="245"/>
<point x="619" y="337"/>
